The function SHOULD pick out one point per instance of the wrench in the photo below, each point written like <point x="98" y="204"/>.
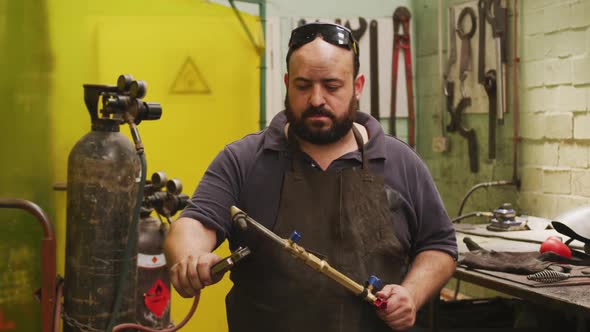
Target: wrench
<point x="358" y="33"/>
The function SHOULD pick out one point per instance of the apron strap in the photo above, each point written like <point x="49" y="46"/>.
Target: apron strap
<point x="361" y="146"/>
<point x="366" y="175"/>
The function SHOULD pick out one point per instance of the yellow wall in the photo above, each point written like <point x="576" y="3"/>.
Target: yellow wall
<point x="95" y="41"/>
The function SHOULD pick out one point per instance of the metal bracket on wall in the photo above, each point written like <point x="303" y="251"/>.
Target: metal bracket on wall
<point x="259" y="48"/>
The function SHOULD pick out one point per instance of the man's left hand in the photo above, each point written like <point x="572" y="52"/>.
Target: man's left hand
<point x="400" y="313"/>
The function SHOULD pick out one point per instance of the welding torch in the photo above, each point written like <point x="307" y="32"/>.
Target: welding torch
<point x="242" y="220"/>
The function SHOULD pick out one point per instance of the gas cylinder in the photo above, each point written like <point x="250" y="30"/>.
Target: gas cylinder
<point x="153" y="280"/>
<point x="104" y="192"/>
<point x="101" y="193"/>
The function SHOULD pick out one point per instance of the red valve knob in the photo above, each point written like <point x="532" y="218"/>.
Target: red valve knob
<point x="380" y="304"/>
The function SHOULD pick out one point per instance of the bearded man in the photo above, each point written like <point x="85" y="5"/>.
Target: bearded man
<point x="360" y="198"/>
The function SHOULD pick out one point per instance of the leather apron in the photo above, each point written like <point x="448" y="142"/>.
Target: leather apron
<point x="343" y="217"/>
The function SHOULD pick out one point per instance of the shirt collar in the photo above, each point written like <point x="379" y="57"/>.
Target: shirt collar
<point x="375" y="149"/>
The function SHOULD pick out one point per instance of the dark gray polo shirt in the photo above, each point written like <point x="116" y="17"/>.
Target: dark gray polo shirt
<point x="249" y="172"/>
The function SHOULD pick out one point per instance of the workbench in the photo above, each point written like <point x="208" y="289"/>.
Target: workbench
<point x="574" y="299"/>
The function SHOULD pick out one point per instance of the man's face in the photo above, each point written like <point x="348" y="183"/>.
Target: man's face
<point x="322" y="95"/>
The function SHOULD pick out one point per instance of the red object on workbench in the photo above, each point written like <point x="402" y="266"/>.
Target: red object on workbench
<point x="554" y="244"/>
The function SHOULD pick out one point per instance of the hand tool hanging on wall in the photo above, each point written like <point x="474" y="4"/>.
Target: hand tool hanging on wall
<point x="449" y="93"/>
<point x="448" y="85"/>
<point x="374" y="68"/>
<point x="465" y="63"/>
<point x="497" y="17"/>
<point x="452" y="53"/>
<point x="401" y="16"/>
<point x="243" y="221"/>
<point x="482" y="6"/>
<point x="469" y="134"/>
<point x="489" y="84"/>
<point x="487" y="79"/>
<point x="357" y="33"/>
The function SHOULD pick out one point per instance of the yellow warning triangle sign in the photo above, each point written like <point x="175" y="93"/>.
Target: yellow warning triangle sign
<point x="189" y="80"/>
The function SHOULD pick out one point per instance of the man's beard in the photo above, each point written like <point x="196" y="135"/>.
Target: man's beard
<point x="319" y="135"/>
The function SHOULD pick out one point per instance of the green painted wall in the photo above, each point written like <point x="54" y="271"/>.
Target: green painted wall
<point x="25" y="64"/>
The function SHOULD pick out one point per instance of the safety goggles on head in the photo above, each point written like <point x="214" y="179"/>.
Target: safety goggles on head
<point x="332" y="33"/>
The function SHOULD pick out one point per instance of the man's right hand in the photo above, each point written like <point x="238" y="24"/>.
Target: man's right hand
<point x="193" y="273"/>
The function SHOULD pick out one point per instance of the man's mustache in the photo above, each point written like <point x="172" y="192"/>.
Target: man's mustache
<point x="317" y="111"/>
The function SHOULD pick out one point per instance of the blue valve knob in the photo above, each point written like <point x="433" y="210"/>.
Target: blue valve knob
<point x="295" y="236"/>
<point x="375" y="282"/>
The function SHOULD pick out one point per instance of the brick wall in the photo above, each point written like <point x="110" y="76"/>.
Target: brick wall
<point x="554" y="91"/>
<point x="555" y="124"/>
